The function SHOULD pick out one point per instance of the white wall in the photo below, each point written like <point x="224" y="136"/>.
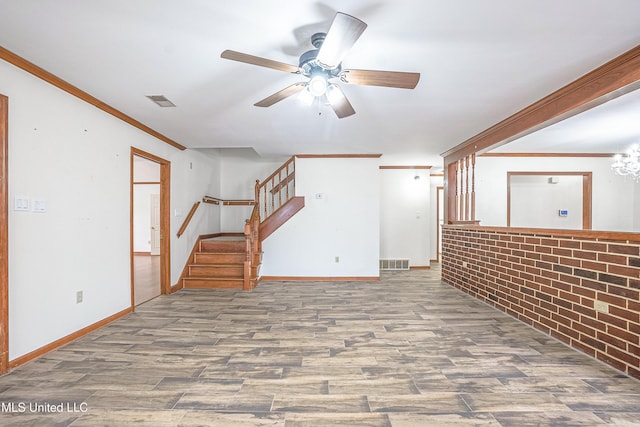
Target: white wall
<point x="613" y="196"/>
<point x="344" y="222"/>
<point x="405" y="215"/>
<point x="535" y="202"/>
<point x="77" y="159"/>
<point x="142" y="216"/>
<point x="238" y="177"/>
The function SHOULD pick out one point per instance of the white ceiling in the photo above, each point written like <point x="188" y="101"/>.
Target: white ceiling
<point x="480" y="61"/>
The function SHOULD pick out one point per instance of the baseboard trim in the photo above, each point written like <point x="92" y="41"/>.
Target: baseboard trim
<point x="420" y="267"/>
<point x="66" y="340"/>
<point x="319" y="279"/>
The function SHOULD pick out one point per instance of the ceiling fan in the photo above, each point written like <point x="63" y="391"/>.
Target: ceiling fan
<point x="324" y="63"/>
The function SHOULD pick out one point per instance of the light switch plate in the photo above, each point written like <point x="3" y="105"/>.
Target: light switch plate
<point x="39" y="205"/>
<point x="21" y="204"/>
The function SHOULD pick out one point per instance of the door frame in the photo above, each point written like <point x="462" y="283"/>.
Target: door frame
<point x="4" y="235"/>
<point x="439" y="203"/>
<point x="165" y="221"/>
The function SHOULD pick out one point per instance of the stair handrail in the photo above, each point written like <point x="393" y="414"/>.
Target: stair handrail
<point x="276" y="190"/>
<point x="187" y="220"/>
<point x="228" y="202"/>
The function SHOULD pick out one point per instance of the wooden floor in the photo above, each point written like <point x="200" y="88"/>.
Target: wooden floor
<point x="146" y="277"/>
<point x="404" y="351"/>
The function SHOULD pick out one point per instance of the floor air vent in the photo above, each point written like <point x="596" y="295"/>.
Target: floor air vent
<point x="394" y="264"/>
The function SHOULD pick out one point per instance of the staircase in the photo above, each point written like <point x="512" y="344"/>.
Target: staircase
<point x="217" y="263"/>
<point x="233" y="260"/>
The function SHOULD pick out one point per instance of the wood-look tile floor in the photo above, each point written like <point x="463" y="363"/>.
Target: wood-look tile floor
<point x="404" y="351"/>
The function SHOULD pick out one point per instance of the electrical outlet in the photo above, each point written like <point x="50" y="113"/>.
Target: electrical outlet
<point x="464" y="264"/>
<point x="79" y="297"/>
<point x="337" y="259"/>
<point x="601" y="306"/>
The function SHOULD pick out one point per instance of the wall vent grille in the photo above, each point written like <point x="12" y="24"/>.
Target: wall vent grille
<point x="394" y="264"/>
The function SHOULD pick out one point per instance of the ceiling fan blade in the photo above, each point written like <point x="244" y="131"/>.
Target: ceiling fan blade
<point x="279" y="96"/>
<point x="381" y="78"/>
<point x="256" y="60"/>
<point x="339" y="102"/>
<point x="343" y="33"/>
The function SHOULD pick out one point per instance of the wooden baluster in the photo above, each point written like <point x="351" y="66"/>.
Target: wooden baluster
<point x="473" y="187"/>
<point x="279" y="188"/>
<point x="461" y="201"/>
<point x="273" y="201"/>
<point x="467" y="202"/>
<point x="455" y="202"/>
<point x="266" y="212"/>
<point x="293" y="186"/>
<point x="256" y="196"/>
<point x="287" y="178"/>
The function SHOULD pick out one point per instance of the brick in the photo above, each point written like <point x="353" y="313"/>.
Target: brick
<point x="570" y="244"/>
<point x="594" y="247"/>
<point x="562" y="286"/>
<point x="563" y="303"/>
<point x="611" y="340"/>
<point x="544" y="265"/>
<point x="585" y="273"/>
<point x="590" y="265"/>
<point x="592" y="342"/>
<point x="624" y="271"/>
<point x="634" y="262"/>
<point x="567" y="296"/>
<point x="624" y="249"/>
<point x="562" y="269"/>
<point x="585" y="255"/>
<point x="609" y="278"/>
<point x="544" y="249"/>
<point x="573" y="262"/>
<point x="624" y="292"/>
<point x="633" y="360"/>
<point x="584" y="348"/>
<point x="606" y="318"/>
<point x="591" y="284"/>
<point x="612" y="259"/>
<point x="585" y="330"/>
<point x="549" y="258"/>
<point x="624" y="335"/>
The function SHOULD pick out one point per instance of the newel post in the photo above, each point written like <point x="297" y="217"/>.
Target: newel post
<point x="246" y="282"/>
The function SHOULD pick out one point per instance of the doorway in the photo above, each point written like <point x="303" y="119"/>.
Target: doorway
<point x="150" y="255"/>
<point x="4" y="236"/>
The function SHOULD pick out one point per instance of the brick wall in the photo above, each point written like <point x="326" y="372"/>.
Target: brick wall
<point x="581" y="287"/>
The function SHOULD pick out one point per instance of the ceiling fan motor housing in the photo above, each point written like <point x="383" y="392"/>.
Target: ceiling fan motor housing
<point x="308" y="63"/>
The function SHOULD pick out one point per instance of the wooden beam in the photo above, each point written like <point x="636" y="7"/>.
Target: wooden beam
<point x="617" y="77"/>
<point x="33" y="69"/>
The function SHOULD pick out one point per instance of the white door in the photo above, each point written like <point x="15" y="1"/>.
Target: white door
<point x="155" y="224"/>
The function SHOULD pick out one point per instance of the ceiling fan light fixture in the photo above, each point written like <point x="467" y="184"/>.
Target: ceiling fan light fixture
<point x="333" y="94"/>
<point x="306" y="98"/>
<point x="318" y="85"/>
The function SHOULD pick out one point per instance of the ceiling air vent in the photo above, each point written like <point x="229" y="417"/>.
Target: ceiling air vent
<point x="161" y="100"/>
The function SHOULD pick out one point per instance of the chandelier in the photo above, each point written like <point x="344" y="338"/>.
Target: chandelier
<point x="628" y="164"/>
